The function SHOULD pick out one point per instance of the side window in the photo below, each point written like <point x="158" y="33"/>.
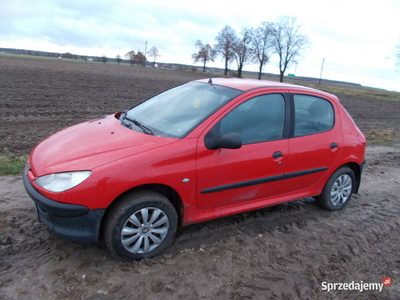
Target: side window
<point x="312" y="115"/>
<point x="259" y="119"/>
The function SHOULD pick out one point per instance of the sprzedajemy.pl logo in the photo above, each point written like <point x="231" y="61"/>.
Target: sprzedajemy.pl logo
<point x="356" y="286"/>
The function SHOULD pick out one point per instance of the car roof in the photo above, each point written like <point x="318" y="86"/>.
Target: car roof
<point x="250" y="84"/>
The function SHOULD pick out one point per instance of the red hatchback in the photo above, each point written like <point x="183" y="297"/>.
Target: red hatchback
<point x="200" y="151"/>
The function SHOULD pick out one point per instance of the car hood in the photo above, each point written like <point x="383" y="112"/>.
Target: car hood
<point x="91" y="144"/>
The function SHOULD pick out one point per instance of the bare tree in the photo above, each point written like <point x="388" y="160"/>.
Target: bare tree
<point x="206" y="53"/>
<point x="242" y="50"/>
<point x="131" y="57"/>
<point x="65" y="55"/>
<point x="154" y="53"/>
<point x="140" y="59"/>
<point x="287" y="42"/>
<point x="225" y="42"/>
<point x="104" y="59"/>
<point x="118" y="57"/>
<point x="261" y="45"/>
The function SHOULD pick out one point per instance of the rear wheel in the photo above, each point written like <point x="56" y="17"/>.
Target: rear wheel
<point x="142" y="225"/>
<point x="338" y="190"/>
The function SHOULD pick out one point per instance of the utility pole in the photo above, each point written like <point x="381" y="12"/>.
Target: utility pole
<point x="145" y="51"/>
<point x="322" y="67"/>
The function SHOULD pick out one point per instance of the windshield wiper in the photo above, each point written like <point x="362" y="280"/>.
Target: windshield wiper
<point x="126" y="124"/>
<point x="145" y="129"/>
<point x="121" y="118"/>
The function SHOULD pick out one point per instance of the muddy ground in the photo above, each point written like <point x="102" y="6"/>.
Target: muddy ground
<point x="281" y="252"/>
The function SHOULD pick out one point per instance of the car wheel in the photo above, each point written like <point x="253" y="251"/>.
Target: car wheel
<point x="141" y="225"/>
<point x="338" y="190"/>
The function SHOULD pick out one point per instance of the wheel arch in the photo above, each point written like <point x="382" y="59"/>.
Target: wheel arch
<point x="357" y="169"/>
<point x="165" y="190"/>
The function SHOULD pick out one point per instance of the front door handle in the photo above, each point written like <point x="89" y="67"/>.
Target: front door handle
<point x="277" y="154"/>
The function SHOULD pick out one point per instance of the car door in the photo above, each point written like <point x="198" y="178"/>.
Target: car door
<point x="233" y="176"/>
<point x="315" y="144"/>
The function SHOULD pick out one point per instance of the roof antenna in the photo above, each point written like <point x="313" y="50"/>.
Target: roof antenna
<point x="210" y="81"/>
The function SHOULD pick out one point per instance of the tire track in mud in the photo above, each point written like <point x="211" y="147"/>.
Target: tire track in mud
<point x="285" y="218"/>
<point x="314" y="244"/>
<point x="253" y="223"/>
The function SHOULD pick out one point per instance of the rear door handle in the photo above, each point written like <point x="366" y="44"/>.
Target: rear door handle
<point x="277" y="154"/>
<point x="334" y="145"/>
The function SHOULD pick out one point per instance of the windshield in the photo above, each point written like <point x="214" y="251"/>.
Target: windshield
<point x="178" y="111"/>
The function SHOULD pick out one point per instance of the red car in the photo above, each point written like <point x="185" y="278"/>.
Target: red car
<point x="200" y="151"/>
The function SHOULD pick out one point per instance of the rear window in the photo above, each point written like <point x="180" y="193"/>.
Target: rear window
<point x="312" y="115"/>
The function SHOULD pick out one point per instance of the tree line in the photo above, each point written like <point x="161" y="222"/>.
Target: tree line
<point x="139" y="58"/>
<point x="256" y="45"/>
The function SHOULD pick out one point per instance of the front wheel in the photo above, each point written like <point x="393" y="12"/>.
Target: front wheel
<point x="141" y="226"/>
<point x="338" y="190"/>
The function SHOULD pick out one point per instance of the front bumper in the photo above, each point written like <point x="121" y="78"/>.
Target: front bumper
<point x="72" y="222"/>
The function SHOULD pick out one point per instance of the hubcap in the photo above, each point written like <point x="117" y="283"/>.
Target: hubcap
<point x="341" y="189"/>
<point x="144" y="230"/>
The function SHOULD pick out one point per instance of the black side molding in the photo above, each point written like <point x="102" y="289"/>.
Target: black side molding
<point x="262" y="180"/>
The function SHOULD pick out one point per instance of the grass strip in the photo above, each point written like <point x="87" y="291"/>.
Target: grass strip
<point x="381" y="138"/>
<point x="11" y="164"/>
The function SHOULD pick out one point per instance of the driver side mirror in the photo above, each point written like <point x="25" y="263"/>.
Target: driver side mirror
<point x="230" y="140"/>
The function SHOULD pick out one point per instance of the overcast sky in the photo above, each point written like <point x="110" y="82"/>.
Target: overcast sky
<point x="356" y="38"/>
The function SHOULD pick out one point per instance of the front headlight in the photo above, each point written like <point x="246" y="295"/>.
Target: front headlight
<point x="60" y="182"/>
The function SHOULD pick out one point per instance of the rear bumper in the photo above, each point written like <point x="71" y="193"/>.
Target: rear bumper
<point x="72" y="222"/>
<point x="357" y="187"/>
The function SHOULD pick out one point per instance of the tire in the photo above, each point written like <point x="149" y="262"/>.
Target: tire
<point x="338" y="190"/>
<point x="141" y="225"/>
